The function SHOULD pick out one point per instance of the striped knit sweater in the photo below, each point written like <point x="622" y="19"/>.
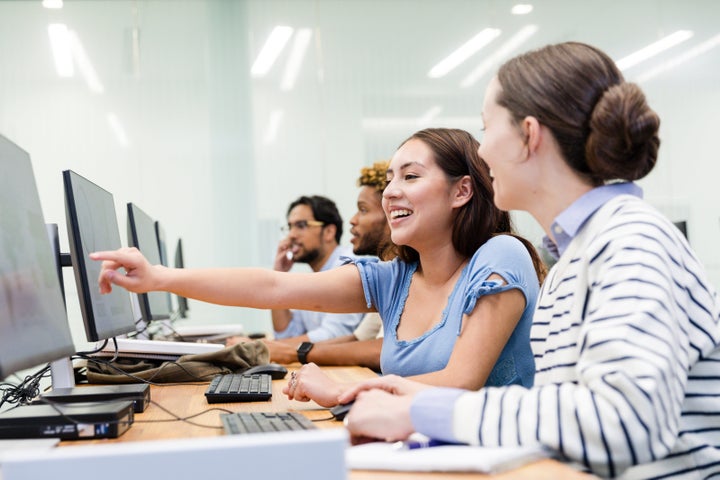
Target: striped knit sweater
<point x="625" y="338"/>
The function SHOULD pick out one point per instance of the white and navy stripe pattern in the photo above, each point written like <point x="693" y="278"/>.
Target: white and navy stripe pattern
<point x="625" y="338"/>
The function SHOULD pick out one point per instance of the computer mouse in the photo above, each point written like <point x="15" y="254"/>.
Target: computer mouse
<point x="276" y="371"/>
<point x="339" y="411"/>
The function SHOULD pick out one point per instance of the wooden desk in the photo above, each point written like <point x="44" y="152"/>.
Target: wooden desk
<point x="188" y="400"/>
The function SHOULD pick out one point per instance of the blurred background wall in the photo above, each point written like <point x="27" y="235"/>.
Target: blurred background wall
<point x="165" y="104"/>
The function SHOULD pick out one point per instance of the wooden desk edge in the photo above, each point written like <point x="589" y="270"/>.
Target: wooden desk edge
<point x="189" y="399"/>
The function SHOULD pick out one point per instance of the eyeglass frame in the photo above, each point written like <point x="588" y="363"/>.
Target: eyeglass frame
<point x="301" y="225"/>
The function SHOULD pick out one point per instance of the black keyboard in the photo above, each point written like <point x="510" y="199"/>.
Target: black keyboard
<point x="236" y="387"/>
<point x="259" y="422"/>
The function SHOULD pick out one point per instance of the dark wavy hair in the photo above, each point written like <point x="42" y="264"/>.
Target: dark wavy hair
<point x="603" y="125"/>
<point x="456" y="153"/>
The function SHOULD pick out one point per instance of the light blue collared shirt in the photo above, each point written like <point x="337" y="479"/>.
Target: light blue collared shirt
<point x="571" y="220"/>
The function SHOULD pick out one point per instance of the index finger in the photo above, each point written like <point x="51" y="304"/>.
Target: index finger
<point x="111" y="255"/>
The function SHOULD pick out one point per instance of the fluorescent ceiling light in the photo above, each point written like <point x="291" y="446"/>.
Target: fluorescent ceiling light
<point x="60" y="45"/>
<point x="297" y="53"/>
<point x="680" y="59"/>
<point x="52" y="4"/>
<point x="654" y="49"/>
<point x="499" y="55"/>
<point x="428" y="116"/>
<point x="521" y="9"/>
<point x="271" y="50"/>
<point x="117" y="129"/>
<point x="464" y="52"/>
<point x="273" y="126"/>
<point x="83" y="62"/>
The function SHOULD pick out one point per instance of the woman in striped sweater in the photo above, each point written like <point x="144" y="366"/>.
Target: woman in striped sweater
<point x="625" y="333"/>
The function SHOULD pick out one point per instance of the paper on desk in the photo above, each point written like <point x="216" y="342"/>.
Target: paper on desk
<point x="446" y="458"/>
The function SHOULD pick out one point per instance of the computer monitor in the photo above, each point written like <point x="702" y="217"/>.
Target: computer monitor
<point x="682" y="226"/>
<point x="183" y="306"/>
<point x="162" y="245"/>
<point x="142" y="235"/>
<point x="33" y="323"/>
<point x="92" y="226"/>
<point x="54" y="237"/>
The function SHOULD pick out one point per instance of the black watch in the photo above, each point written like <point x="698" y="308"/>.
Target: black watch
<point x="303" y="350"/>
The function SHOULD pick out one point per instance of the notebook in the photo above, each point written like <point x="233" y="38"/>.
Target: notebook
<point x="446" y="458"/>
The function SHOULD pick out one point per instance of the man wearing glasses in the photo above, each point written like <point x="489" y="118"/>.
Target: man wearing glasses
<point x="370" y="236"/>
<point x="314" y="228"/>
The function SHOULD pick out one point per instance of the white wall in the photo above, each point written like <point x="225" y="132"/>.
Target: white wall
<point x="195" y="120"/>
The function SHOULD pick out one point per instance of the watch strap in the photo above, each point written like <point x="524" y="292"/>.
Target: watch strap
<point x="303" y="350"/>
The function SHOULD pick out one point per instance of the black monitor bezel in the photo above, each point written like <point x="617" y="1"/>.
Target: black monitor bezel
<point x="62" y="345"/>
<point x="183" y="305"/>
<point x="134" y="241"/>
<point x="79" y="263"/>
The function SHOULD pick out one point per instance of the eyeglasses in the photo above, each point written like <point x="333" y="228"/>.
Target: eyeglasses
<point x="301" y="225"/>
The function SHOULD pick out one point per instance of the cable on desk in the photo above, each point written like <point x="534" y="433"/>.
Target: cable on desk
<point x="26" y="390"/>
<point x="322" y="419"/>
<point x="177" y="418"/>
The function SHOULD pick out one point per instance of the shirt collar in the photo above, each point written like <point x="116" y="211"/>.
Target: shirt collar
<point x="567" y="225"/>
<point x="335" y="256"/>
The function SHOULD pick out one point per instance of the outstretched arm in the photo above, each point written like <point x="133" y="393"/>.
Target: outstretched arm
<point x="338" y="290"/>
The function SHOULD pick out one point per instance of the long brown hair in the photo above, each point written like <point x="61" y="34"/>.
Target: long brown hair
<point x="456" y="153"/>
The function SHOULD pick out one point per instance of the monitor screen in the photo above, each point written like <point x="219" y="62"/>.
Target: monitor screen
<point x="682" y="226"/>
<point x="142" y="235"/>
<point x="33" y="323"/>
<point x="180" y="263"/>
<point x="92" y="226"/>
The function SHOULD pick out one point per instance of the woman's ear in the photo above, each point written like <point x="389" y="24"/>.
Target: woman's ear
<point x="532" y="132"/>
<point x="463" y="191"/>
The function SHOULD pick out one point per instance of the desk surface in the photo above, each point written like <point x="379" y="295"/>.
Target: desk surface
<point x="189" y="400"/>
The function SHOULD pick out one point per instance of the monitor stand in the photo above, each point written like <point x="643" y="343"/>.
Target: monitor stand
<point x="62" y="374"/>
<point x="65" y="391"/>
<point x="140" y="322"/>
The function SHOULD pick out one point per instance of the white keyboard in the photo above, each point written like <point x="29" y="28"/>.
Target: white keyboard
<point x="157" y="349"/>
<point x="208" y="330"/>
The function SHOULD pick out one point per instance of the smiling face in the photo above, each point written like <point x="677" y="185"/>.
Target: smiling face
<point x="505" y="151"/>
<point x="418" y="198"/>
